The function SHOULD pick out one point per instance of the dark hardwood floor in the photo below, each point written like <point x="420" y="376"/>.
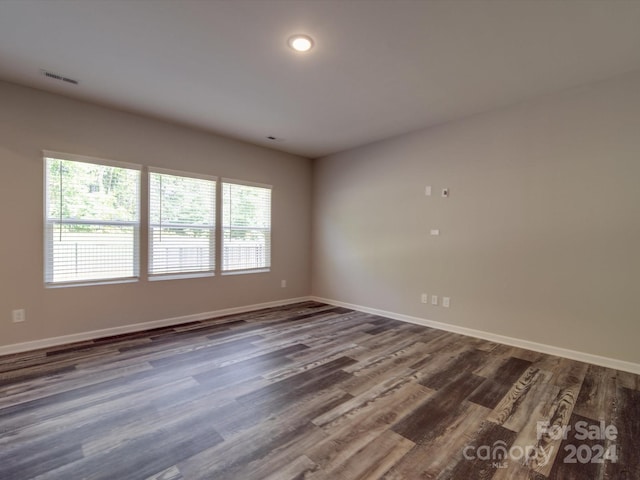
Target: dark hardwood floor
<point x="311" y="391"/>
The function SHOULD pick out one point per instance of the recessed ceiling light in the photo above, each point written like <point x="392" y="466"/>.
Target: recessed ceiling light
<point x="300" y="43"/>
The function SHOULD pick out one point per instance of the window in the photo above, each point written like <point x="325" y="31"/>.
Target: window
<point x="246" y="226"/>
<point x="182" y="219"/>
<point x="92" y="215"/>
<point x="92" y="223"/>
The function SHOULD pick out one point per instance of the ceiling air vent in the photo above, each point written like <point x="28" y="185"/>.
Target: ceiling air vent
<point x="56" y="76"/>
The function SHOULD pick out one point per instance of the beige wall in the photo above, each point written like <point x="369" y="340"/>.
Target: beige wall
<point x="540" y="238"/>
<point x="31" y="121"/>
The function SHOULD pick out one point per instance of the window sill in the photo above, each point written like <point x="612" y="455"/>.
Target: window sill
<point x="91" y="283"/>
<point x="243" y="272"/>
<point x="179" y="276"/>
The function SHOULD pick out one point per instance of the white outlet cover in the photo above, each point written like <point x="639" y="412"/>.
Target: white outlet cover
<point x="435" y="232"/>
<point x="434" y="300"/>
<point x="427" y="191"/>
<point x="446" y="302"/>
<point x="424" y="298"/>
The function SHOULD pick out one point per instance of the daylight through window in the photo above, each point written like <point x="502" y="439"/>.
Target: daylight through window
<point x="246" y="227"/>
<point x="182" y="218"/>
<point x="91" y="220"/>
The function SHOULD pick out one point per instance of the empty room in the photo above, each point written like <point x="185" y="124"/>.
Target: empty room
<point x="319" y="239"/>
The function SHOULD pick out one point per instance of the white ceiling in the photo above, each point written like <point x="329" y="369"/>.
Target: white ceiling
<point x="379" y="68"/>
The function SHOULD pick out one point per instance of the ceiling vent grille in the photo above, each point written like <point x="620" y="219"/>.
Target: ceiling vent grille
<point x="61" y="78"/>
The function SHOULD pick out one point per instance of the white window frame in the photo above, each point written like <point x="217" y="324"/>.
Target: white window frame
<point x="49" y="224"/>
<point x="266" y="268"/>
<point x="214" y="228"/>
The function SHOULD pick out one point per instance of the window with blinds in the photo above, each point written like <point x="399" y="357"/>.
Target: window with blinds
<point x="92" y="214"/>
<point x="246" y="226"/>
<point x="182" y="220"/>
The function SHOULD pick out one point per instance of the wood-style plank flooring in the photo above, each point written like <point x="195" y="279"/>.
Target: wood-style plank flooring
<point x="311" y="391"/>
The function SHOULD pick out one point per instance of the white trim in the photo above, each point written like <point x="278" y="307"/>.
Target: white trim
<point x="87" y="159"/>
<point x="512" y="341"/>
<point x="158" y="277"/>
<point x="182" y="173"/>
<point x="138" y="327"/>
<point x="90" y="283"/>
<point x="244" y="271"/>
<point x="246" y="183"/>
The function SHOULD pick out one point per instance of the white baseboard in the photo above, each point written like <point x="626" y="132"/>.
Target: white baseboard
<point x="167" y="322"/>
<point x="137" y="327"/>
<point x="512" y="341"/>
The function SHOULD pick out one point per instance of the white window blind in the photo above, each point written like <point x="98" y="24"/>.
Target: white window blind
<point x="92" y="216"/>
<point x="246" y="226"/>
<point x="182" y="221"/>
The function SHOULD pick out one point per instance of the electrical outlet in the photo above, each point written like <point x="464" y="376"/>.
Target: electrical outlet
<point x="435" y="232"/>
<point x="427" y="191"/>
<point x="445" y="302"/>
<point x="434" y="300"/>
<point x="424" y="298"/>
<point x="18" y="316"/>
<point x="283" y="284"/>
<point x="445" y="192"/>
